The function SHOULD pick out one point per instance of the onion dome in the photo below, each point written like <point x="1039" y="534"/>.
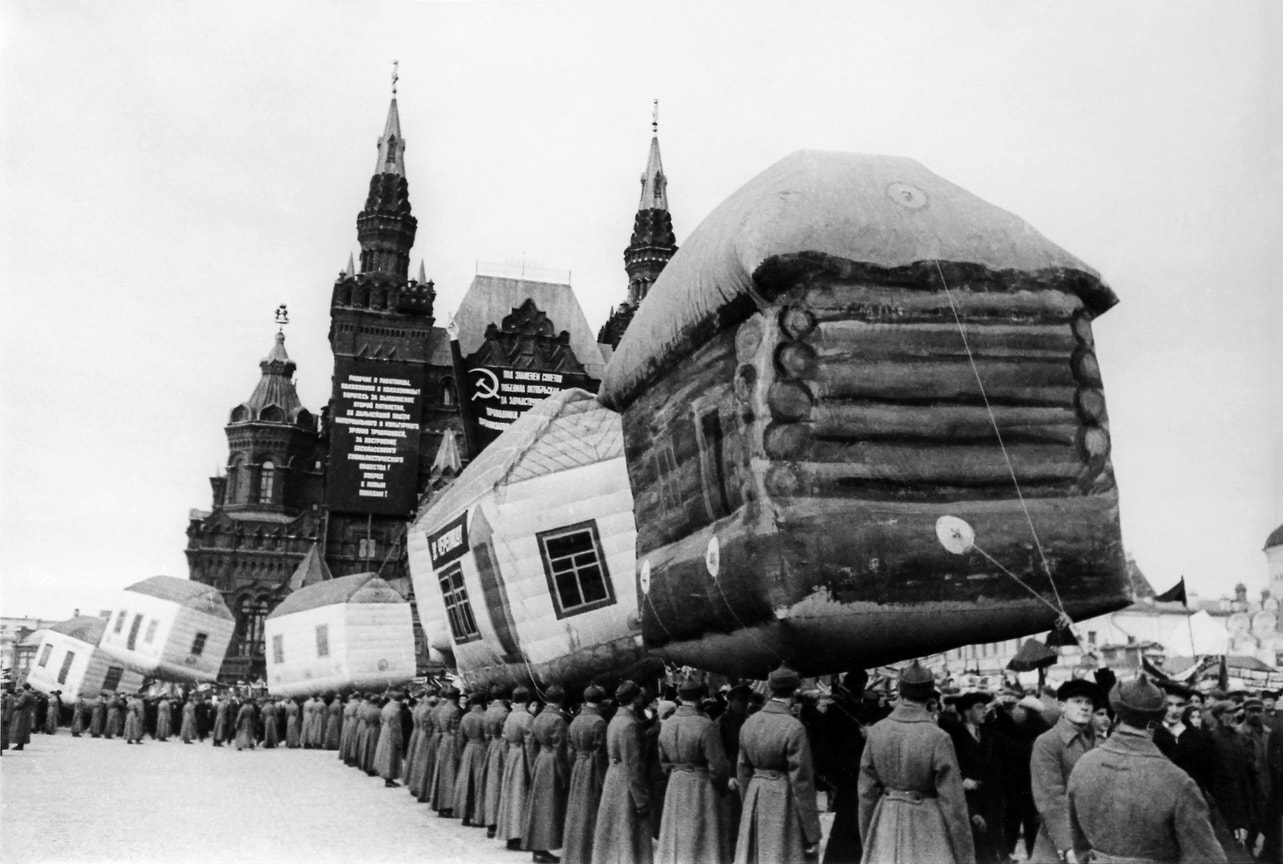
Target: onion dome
<point x="274" y="400"/>
<point x="1275" y="538"/>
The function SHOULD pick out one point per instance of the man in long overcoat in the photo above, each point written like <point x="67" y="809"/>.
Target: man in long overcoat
<point x="98" y="715"/>
<point x="449" y="744"/>
<point x="516" y="769"/>
<point x="974" y="740"/>
<point x="221" y="719"/>
<point x="20" y="720"/>
<point x="79" y="716"/>
<point x="134" y="709"/>
<point x="351" y="728"/>
<point x="690" y="751"/>
<point x="246" y="718"/>
<point x="587" y="734"/>
<point x="424" y="757"/>
<point x="470" y="779"/>
<point x="1055" y="754"/>
<point x="912" y="804"/>
<point x="1129" y="802"/>
<point x="622" y="834"/>
<point x="387" y="750"/>
<point x="334" y="722"/>
<point x="546" y="801"/>
<point x="496" y="750"/>
<point x="187" y="731"/>
<point x="780" y="822"/>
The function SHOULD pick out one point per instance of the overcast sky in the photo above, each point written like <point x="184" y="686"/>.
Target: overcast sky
<point x="174" y="171"/>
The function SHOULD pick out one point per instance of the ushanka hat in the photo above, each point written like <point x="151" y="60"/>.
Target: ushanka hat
<point x="917" y="682"/>
<point x="594" y="694"/>
<point x="626" y="692"/>
<point x="1079" y="687"/>
<point x="1138" y="702"/>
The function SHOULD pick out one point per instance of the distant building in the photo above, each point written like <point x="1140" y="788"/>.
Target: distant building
<point x="13" y="631"/>
<point x="309" y="497"/>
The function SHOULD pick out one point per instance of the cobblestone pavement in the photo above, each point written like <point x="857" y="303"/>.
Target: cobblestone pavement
<point x="93" y="800"/>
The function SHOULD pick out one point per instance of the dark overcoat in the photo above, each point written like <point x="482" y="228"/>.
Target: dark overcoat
<point x="425" y="758"/>
<point x="623" y="833"/>
<point x="496" y="749"/>
<point x="271" y="729"/>
<point x="1126" y="799"/>
<point x="373" y="729"/>
<point x="775" y="777"/>
<point x="97" y="716"/>
<point x="293" y="726"/>
<point x="187" y="732"/>
<point x="412" y="746"/>
<point x="587" y="742"/>
<point x="1055" y="753"/>
<point x="387" y="750"/>
<point x="164" y="720"/>
<point x="79" y="711"/>
<point x="690" y="751"/>
<point x="470" y="778"/>
<point x="516" y="775"/>
<point x="446" y="768"/>
<point x="333" y="723"/>
<point x="351" y="728"/>
<point x="134" y="720"/>
<point x="220" y="721"/>
<point x="978" y="761"/>
<point x="245" y="727"/>
<point x="549" y="779"/>
<point x="20" y="720"/>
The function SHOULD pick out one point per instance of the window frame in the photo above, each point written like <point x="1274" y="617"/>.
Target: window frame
<point x="198" y="644"/>
<point x="590" y="527"/>
<point x="278" y="648"/>
<point x="67" y="660"/>
<point x="458" y="606"/>
<point x="44" y="655"/>
<point x="322" y="641"/>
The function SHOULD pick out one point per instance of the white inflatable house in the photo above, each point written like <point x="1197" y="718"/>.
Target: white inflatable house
<point x="169" y="628"/>
<point x="340" y="634"/>
<point x="69" y="660"/>
<point x="524" y="567"/>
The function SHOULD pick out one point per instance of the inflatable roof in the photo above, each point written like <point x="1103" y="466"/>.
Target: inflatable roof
<point x="357" y="588"/>
<point x="194" y="595"/>
<point x="883" y="211"/>
<point x="86" y="628"/>
<point x="569" y="429"/>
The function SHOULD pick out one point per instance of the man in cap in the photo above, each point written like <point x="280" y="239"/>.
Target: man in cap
<point x="728" y="727"/>
<point x="388" y="751"/>
<point x="622" y="834"/>
<point x="546" y="804"/>
<point x="496" y="750"/>
<point x="445" y="766"/>
<point x="1170" y="736"/>
<point x="470" y="778"/>
<point x="780" y="821"/>
<point x="1055" y="753"/>
<point x="690" y="752"/>
<point x="516" y="769"/>
<point x="587" y="746"/>
<point x="1255" y="736"/>
<point x="912" y="804"/>
<point x="1129" y="803"/>
<point x="974" y="743"/>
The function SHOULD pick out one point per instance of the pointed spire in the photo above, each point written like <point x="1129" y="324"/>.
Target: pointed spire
<point x="654" y="194"/>
<point x="351" y="266"/>
<point x="391" y="145"/>
<point x="423" y="276"/>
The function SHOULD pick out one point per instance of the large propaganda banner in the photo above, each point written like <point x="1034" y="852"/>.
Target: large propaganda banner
<point x="374" y="437"/>
<point x="498" y="395"/>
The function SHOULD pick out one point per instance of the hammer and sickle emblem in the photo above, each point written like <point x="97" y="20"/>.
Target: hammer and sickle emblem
<point x="480" y="390"/>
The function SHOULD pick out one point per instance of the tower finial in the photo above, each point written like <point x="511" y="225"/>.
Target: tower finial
<point x="395" y="76"/>
<point x="654" y="118"/>
<point x="282" y="318"/>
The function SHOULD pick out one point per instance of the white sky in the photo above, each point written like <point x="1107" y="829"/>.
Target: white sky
<point x="173" y="171"/>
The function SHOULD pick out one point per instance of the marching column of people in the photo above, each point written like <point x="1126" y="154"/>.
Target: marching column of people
<point x="1137" y="771"/>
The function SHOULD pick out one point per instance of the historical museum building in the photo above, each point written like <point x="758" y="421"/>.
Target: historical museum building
<point x="310" y="496"/>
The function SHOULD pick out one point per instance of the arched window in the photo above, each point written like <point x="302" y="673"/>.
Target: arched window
<point x="266" y="482"/>
<point x="391" y="150"/>
<point x="272" y="414"/>
<point x="447" y="392"/>
<point x="237" y="482"/>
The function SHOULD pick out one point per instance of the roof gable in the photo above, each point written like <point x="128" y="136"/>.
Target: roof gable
<point x="357" y="588"/>
<point x="193" y="595"/>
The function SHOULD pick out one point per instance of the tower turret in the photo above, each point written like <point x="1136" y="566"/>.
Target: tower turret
<point x="652" y="243"/>
<point x="385" y="228"/>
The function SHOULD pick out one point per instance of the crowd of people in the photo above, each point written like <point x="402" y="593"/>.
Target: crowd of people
<point x="1095" y="770"/>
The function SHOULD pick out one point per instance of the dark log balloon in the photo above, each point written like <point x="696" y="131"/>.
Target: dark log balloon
<point x="802" y="401"/>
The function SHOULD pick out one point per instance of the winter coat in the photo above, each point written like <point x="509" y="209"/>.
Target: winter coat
<point x="496" y="750"/>
<point x="412" y="746"/>
<point x="373" y="729"/>
<point x="623" y="833"/>
<point x="271" y="728"/>
<point x="470" y="778"/>
<point x="549" y="779"/>
<point x="690" y="751"/>
<point x="220" y="721"/>
<point x="1126" y="799"/>
<point x="424" y="757"/>
<point x="516" y="775"/>
<point x="187" y="732"/>
<point x="164" y="720"/>
<point x="351" y="726"/>
<point x="293" y="725"/>
<point x="977" y="761"/>
<point x="774" y="773"/>
<point x="1055" y="753"/>
<point x="134" y="720"/>
<point x="115" y="718"/>
<point x="245" y="727"/>
<point x="387" y="749"/>
<point x="912" y="807"/>
<point x="333" y="723"/>
<point x="79" y="716"/>
<point x="98" y="716"/>
<point x="586" y="737"/>
<point x="445" y="770"/>
<point x="20" y="720"/>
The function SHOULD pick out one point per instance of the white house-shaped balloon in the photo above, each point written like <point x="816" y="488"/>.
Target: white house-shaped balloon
<point x="68" y="659"/>
<point x="169" y="628"/>
<point x="345" y="633"/>
<point x="524" y="567"/>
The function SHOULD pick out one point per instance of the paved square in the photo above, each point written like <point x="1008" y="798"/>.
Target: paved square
<point x="93" y="800"/>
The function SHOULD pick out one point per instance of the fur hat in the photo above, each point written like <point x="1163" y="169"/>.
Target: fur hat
<point x="784" y="679"/>
<point x="594" y="694"/>
<point x="1079" y="687"/>
<point x="626" y="692"/>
